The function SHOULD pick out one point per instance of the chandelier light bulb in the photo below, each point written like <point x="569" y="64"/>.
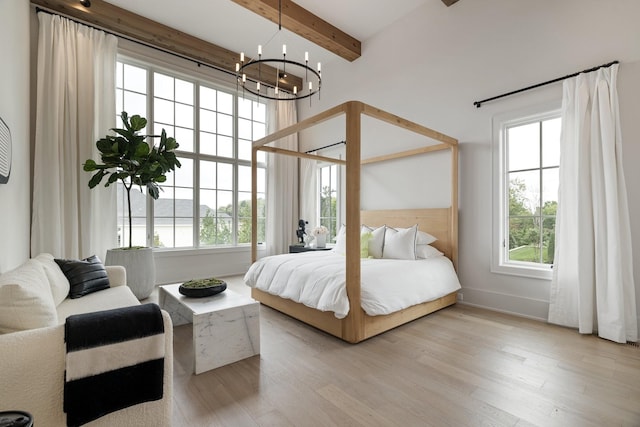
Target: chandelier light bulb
<point x="318" y="67"/>
<point x="259" y="49"/>
<point x="306" y="57"/>
<point x="241" y="56"/>
<point x="237" y="67"/>
<point x="284" y="49"/>
<point x="295" y="90"/>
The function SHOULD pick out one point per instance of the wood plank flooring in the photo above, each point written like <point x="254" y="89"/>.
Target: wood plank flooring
<point x="461" y="366"/>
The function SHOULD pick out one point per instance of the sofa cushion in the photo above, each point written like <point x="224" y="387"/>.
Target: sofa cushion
<point x="85" y="276"/>
<point x="120" y="296"/>
<point x="57" y="280"/>
<point x="26" y="301"/>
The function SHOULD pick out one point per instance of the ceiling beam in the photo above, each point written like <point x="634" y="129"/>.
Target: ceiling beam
<point x="305" y="24"/>
<point x="122" y="22"/>
<point x="449" y="2"/>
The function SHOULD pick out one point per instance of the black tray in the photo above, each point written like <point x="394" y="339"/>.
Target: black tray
<point x="202" y="288"/>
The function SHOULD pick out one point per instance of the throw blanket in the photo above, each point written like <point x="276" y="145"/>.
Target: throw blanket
<point x="115" y="359"/>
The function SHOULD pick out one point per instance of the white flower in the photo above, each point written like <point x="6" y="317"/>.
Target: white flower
<point x="320" y="230"/>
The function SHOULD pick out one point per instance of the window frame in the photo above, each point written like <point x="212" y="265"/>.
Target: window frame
<point x="500" y="190"/>
<point x="337" y="185"/>
<point x="198" y="79"/>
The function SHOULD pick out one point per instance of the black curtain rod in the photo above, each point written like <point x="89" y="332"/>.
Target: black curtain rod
<point x="478" y="104"/>
<point x="326" y="146"/>
<point x="198" y="63"/>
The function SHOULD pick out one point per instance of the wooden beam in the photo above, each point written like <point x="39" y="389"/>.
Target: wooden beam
<point x="302" y="155"/>
<point x="305" y="24"/>
<point x="122" y="22"/>
<point x="407" y="153"/>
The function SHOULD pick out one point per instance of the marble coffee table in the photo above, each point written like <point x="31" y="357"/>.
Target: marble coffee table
<point x="226" y="326"/>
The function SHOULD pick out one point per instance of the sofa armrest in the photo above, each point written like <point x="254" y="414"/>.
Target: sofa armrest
<point x="117" y="275"/>
<point x="32" y="371"/>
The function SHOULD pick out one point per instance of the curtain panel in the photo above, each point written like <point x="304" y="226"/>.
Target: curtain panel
<point x="75" y="107"/>
<point x="592" y="288"/>
<point x="282" y="181"/>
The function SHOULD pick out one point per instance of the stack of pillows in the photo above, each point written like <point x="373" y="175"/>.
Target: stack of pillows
<point x="386" y="242"/>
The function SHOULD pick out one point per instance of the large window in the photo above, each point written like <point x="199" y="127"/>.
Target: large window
<point x="206" y="202"/>
<point x="529" y="156"/>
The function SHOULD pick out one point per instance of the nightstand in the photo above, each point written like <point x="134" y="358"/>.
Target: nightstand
<point x="294" y="249"/>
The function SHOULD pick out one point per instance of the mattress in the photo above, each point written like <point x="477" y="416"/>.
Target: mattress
<point x="317" y="280"/>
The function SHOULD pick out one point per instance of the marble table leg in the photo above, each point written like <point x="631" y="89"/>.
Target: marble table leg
<point x="226" y="336"/>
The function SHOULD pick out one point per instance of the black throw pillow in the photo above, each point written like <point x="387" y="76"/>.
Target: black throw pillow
<point x="84" y="276"/>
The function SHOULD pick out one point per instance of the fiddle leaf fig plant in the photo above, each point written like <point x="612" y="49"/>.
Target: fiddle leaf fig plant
<point x="127" y="157"/>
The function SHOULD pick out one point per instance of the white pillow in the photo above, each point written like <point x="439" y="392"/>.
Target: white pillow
<point x="57" y="280"/>
<point x="376" y="243"/>
<point x="341" y="241"/>
<point x="427" y="251"/>
<point x="400" y="243"/>
<point x="26" y="301"/>
<point x="425" y="238"/>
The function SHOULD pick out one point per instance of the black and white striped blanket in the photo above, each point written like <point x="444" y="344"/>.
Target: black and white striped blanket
<point x="115" y="359"/>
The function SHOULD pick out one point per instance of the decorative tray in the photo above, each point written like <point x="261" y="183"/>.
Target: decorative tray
<point x="200" y="288"/>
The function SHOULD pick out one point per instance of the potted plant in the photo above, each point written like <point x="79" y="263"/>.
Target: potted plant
<point x="128" y="158"/>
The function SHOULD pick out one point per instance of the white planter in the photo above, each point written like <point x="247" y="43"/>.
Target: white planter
<point x="141" y="268"/>
<point x="321" y="240"/>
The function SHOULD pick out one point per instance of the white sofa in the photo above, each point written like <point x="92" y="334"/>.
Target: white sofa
<point x="32" y="361"/>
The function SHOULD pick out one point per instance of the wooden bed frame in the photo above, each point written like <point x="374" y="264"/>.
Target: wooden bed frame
<point x="440" y="222"/>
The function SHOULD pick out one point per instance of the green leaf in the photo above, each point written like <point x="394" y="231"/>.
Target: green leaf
<point x="138" y="123"/>
<point x="113" y="178"/>
<point x="104" y="145"/>
<point x="96" y="178"/>
<point x="153" y="191"/>
<point x="171" y="144"/>
<point x="89" y="165"/>
<point x="142" y="150"/>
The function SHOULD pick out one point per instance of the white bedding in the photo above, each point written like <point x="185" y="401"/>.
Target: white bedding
<point x="317" y="280"/>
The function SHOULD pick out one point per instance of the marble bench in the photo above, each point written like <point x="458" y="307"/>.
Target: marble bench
<point x="226" y="326"/>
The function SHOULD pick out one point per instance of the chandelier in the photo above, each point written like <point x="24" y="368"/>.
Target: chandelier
<point x="277" y="70"/>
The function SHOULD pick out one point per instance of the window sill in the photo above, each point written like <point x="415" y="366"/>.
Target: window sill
<point x="541" y="273"/>
<point x="177" y="252"/>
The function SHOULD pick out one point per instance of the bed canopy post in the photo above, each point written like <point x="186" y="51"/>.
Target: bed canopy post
<point x="254" y="204"/>
<point x="353" y="326"/>
<point x="453" y="230"/>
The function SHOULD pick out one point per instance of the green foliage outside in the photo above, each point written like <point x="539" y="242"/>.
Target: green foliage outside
<point x="526" y="226"/>
<point x="328" y="211"/>
<point x="217" y="229"/>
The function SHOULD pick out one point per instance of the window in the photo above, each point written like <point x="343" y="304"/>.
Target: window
<point x="206" y="202"/>
<point x="328" y="191"/>
<point x="528" y="172"/>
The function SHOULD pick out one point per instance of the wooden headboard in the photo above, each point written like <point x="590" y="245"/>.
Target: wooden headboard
<point x="436" y="222"/>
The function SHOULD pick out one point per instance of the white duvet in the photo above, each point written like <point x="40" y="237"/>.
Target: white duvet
<point x="317" y="280"/>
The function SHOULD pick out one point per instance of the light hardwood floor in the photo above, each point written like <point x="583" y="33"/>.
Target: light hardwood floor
<point x="461" y="366"/>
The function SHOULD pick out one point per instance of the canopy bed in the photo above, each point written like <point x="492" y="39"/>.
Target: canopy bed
<point x="442" y="223"/>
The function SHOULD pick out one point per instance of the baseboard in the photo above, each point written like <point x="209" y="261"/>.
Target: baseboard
<point x="530" y="308"/>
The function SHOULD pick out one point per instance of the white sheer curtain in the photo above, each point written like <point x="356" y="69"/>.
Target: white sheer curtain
<point x="75" y="107"/>
<point x="592" y="287"/>
<point x="282" y="182"/>
<point x="309" y="192"/>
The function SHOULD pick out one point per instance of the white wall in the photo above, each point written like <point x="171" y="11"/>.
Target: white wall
<point x="431" y="65"/>
<point x="14" y="110"/>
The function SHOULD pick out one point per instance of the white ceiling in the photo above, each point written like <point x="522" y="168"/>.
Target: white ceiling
<point x="231" y="26"/>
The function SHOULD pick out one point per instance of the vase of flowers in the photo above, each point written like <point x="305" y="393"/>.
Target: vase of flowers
<point x="320" y="234"/>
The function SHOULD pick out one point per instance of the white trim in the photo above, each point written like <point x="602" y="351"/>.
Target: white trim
<point x="499" y="202"/>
